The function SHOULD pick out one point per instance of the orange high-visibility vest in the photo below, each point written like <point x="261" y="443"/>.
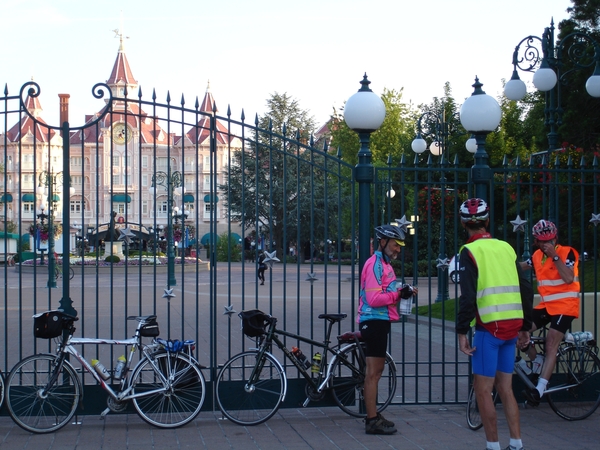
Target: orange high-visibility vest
<point x="558" y="297"/>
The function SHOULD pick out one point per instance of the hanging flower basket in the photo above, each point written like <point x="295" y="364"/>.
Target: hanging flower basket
<point x="44" y="230"/>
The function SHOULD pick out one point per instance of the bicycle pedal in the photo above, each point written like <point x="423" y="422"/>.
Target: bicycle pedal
<point x="104" y="413"/>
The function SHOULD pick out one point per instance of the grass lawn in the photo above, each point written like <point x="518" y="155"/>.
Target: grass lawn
<point x="446" y="310"/>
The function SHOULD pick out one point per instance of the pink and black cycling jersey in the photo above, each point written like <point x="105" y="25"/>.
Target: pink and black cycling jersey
<point x="378" y="292"/>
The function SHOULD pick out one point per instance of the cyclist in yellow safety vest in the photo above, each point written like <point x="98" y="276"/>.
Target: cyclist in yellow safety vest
<point x="498" y="300"/>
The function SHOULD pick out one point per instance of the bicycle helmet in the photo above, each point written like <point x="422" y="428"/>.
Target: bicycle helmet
<point x="544" y="230"/>
<point x="474" y="210"/>
<point x="390" y="232"/>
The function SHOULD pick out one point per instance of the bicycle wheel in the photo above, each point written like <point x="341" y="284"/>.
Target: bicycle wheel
<point x="250" y="403"/>
<point x="34" y="405"/>
<point x="71" y="273"/>
<point x="473" y="417"/>
<point x="347" y="382"/>
<point x="1" y="389"/>
<point x="168" y="390"/>
<point x="582" y="368"/>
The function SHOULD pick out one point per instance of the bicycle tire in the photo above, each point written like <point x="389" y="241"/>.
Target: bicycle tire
<point x="582" y="400"/>
<point x="246" y="404"/>
<point x="473" y="416"/>
<point x="33" y="411"/>
<point x="347" y="383"/>
<point x="1" y="389"/>
<point x="71" y="273"/>
<point x="176" y="397"/>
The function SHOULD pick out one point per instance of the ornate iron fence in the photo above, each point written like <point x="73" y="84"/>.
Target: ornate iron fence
<point x="242" y="190"/>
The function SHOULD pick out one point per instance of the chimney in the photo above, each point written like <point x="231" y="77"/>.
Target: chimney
<point x="64" y="108"/>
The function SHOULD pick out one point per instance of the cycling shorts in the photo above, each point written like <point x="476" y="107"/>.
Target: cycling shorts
<point x="558" y="322"/>
<point x="492" y="354"/>
<point x="375" y="335"/>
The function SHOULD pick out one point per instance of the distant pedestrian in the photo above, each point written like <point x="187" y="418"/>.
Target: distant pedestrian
<point x="261" y="268"/>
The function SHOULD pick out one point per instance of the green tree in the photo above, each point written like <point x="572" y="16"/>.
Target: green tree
<point x="278" y="182"/>
<point x="393" y="137"/>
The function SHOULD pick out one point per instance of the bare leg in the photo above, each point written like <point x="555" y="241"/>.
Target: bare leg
<point x="553" y="339"/>
<point x="511" y="409"/>
<point x="374" y="370"/>
<point x="483" y="391"/>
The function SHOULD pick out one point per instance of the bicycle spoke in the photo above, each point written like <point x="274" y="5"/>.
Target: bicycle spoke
<point x="578" y="368"/>
<point x="248" y="403"/>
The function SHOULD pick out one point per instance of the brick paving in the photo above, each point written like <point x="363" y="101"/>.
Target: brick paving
<point x="420" y="427"/>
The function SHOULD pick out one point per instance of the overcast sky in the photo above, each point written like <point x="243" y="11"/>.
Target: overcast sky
<point x="314" y="50"/>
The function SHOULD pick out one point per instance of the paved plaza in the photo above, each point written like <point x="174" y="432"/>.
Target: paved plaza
<point x="427" y="427"/>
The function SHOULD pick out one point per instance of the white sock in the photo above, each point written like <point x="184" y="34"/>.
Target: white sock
<point x="492" y="445"/>
<point x="516" y="443"/>
<point x="541" y="386"/>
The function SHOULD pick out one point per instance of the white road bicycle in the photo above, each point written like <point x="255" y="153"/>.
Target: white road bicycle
<point x="166" y="386"/>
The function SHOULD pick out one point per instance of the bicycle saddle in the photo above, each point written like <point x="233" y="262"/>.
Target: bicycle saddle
<point x="333" y="317"/>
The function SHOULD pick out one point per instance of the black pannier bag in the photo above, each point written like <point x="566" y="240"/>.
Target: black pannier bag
<point x="254" y="322"/>
<point x="47" y="325"/>
<point x="150" y="329"/>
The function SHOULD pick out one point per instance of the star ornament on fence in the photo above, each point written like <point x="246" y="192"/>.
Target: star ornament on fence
<point x="270" y="258"/>
<point x="518" y="224"/>
<point x="403" y="223"/>
<point x="595" y="219"/>
<point x="126" y="235"/>
<point x="443" y="263"/>
<point x="312" y="277"/>
<point x="168" y="294"/>
<point x="229" y="311"/>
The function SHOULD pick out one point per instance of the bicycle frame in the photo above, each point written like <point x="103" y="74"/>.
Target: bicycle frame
<point x="321" y="382"/>
<point x="123" y="395"/>
<point x="561" y="353"/>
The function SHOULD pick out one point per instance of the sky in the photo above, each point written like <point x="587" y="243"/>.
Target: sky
<point x="315" y="51"/>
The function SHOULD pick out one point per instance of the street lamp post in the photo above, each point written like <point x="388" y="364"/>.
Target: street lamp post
<point x="48" y="182"/>
<point x="42" y="217"/>
<point x="480" y="114"/>
<point x="173" y="183"/>
<point x="364" y="113"/>
<point x="181" y="215"/>
<point x="550" y="72"/>
<point x="440" y="129"/>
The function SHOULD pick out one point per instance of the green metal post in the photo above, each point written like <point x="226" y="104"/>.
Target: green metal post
<point x="51" y="260"/>
<point x="364" y="176"/>
<point x="66" y="304"/>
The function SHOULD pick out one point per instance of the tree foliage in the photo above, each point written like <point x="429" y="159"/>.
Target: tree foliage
<point x="279" y="183"/>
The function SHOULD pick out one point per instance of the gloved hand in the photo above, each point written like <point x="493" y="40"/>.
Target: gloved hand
<point x="406" y="291"/>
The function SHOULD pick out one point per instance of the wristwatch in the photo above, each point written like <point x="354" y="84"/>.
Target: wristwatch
<point x="555" y="258"/>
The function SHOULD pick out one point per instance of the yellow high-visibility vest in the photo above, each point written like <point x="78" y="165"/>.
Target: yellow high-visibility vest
<point x="498" y="293"/>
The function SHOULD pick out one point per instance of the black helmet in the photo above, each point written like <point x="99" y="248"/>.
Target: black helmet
<point x="474" y="210"/>
<point x="390" y="232"/>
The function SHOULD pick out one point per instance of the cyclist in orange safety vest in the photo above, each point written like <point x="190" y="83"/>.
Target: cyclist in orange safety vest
<point x="558" y="285"/>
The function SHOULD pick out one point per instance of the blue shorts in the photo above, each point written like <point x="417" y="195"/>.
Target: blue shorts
<point x="492" y="354"/>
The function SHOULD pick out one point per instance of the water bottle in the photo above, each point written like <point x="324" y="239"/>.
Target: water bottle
<point x="579" y="337"/>
<point x="316" y="365"/>
<point x="119" y="367"/>
<point x="523" y="365"/>
<point x="537" y="363"/>
<point x="301" y="357"/>
<point x="100" y="369"/>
